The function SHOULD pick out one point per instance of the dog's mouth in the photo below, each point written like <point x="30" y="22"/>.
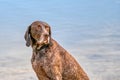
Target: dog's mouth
<point x="42" y="42"/>
<point x="40" y="45"/>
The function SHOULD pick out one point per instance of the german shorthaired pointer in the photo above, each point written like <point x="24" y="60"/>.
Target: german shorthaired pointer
<point x="49" y="60"/>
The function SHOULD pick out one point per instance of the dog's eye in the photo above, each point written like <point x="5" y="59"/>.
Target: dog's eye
<point x="39" y="26"/>
<point x="46" y="27"/>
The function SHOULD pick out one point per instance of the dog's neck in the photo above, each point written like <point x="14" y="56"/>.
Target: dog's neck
<point x="37" y="48"/>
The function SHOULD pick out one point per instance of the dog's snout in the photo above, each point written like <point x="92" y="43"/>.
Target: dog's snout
<point x="46" y="35"/>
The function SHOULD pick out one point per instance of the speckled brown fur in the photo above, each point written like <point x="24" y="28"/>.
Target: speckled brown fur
<point x="52" y="62"/>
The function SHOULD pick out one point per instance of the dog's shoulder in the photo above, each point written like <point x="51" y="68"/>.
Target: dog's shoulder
<point x="59" y="50"/>
<point x="57" y="47"/>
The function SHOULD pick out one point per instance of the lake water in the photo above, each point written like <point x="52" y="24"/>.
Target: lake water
<point x="88" y="29"/>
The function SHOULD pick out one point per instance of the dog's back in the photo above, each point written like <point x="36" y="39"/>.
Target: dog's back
<point x="71" y="70"/>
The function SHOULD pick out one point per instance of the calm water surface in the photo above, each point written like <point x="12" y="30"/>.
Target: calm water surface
<point x="88" y="29"/>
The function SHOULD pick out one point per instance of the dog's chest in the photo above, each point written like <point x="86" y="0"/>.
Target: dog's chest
<point x="42" y="58"/>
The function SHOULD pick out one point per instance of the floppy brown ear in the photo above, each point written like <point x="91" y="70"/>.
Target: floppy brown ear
<point x="27" y="37"/>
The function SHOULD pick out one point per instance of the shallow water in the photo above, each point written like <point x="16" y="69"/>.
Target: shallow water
<point x="89" y="30"/>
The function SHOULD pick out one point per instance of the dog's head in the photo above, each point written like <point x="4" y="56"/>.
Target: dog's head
<point x="38" y="33"/>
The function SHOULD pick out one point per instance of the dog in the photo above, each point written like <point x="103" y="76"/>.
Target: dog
<point x="49" y="60"/>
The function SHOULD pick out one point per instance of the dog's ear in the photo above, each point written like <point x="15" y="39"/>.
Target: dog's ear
<point x="50" y="31"/>
<point x="49" y="34"/>
<point x="48" y="28"/>
<point x="27" y="37"/>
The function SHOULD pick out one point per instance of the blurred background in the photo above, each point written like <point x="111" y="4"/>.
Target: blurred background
<point x="88" y="29"/>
